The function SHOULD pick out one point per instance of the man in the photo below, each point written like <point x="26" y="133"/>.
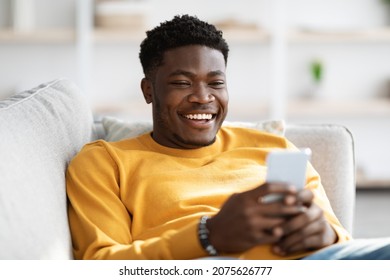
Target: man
<point x="191" y="188"/>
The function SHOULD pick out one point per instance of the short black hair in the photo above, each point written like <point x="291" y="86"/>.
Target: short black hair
<point x="180" y="31"/>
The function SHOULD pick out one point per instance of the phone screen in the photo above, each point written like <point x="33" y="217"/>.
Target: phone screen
<point x="287" y="166"/>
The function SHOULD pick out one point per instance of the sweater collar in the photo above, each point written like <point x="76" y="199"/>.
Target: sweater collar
<point x="207" y="151"/>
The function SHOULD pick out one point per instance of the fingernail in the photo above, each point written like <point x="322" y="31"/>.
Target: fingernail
<point x="277" y="231"/>
<point x="289" y="200"/>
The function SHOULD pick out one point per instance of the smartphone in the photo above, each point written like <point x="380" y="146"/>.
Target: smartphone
<point x="286" y="166"/>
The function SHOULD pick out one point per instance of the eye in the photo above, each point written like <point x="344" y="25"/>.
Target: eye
<point x="180" y="84"/>
<point x="217" y="84"/>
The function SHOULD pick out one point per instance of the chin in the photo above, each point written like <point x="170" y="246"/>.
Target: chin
<point x="195" y="143"/>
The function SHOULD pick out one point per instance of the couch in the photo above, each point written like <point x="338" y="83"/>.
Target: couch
<point x="43" y="128"/>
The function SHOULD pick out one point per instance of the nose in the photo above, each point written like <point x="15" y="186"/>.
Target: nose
<point x="201" y="94"/>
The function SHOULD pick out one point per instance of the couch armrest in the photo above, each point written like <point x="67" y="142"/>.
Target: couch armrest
<point x="333" y="157"/>
<point x="41" y="130"/>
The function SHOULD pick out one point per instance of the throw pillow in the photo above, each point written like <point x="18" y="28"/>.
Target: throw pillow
<point x="41" y="130"/>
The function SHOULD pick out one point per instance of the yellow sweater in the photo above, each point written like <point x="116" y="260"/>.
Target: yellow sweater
<point x="136" y="199"/>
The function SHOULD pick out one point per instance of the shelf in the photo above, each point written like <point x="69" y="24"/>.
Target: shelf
<point x="232" y="35"/>
<point x="38" y="36"/>
<point x="335" y="108"/>
<point x="315" y="108"/>
<point x="253" y="35"/>
<point x="69" y="36"/>
<point x="242" y="35"/>
<point x="373" y="35"/>
<point x="105" y="35"/>
<point x="372" y="184"/>
<point x="111" y="36"/>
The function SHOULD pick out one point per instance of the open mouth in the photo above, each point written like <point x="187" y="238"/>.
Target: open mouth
<point x="200" y="117"/>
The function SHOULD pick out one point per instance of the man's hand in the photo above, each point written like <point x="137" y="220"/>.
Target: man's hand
<point x="244" y="221"/>
<point x="308" y="230"/>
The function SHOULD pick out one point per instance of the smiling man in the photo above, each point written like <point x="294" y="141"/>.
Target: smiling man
<point x="189" y="96"/>
<point x="193" y="188"/>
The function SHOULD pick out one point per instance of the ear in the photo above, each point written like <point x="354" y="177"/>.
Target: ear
<point x="147" y="90"/>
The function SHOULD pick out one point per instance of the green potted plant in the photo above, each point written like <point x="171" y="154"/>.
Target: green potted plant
<point x="387" y="3"/>
<point x="316" y="70"/>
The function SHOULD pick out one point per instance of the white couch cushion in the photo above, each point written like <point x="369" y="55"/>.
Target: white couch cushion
<point x="41" y="130"/>
<point x="333" y="156"/>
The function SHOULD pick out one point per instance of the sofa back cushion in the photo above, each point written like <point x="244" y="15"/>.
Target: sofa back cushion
<point x="41" y="130"/>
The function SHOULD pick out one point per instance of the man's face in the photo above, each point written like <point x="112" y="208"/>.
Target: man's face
<point x="189" y="97"/>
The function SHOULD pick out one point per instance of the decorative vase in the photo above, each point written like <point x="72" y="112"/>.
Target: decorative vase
<point x="23" y="15"/>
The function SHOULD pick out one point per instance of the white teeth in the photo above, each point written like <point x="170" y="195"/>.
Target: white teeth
<point x="199" y="116"/>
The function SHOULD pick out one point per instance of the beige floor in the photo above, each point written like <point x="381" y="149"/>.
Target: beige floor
<point x="372" y="213"/>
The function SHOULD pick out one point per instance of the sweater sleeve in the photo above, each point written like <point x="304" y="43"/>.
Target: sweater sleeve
<point x="101" y="224"/>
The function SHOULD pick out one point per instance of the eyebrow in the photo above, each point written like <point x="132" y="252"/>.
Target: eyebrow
<point x="182" y="72"/>
<point x="216" y="73"/>
<point x="190" y="74"/>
